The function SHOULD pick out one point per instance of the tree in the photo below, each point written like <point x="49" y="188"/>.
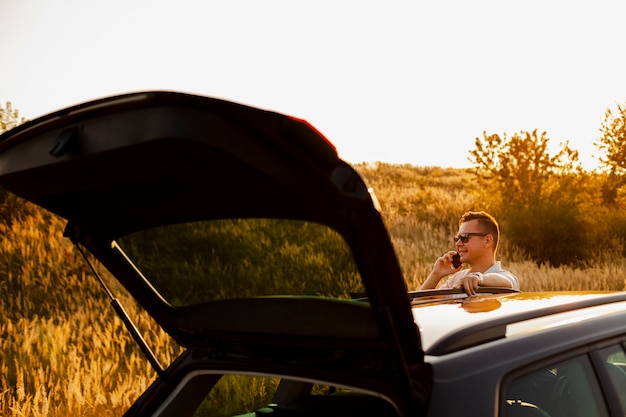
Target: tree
<point x="613" y="144"/>
<point x="535" y="194"/>
<point x="9" y="118"/>
<point x="520" y="169"/>
<point x="613" y="140"/>
<point x="10" y="205"/>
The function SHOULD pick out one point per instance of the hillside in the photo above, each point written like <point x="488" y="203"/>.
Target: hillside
<point x="65" y="353"/>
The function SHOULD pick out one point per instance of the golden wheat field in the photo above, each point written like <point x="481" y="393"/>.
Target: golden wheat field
<point x="64" y="352"/>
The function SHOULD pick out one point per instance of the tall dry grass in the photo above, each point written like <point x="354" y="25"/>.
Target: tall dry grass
<point x="64" y="353"/>
<point x="421" y="207"/>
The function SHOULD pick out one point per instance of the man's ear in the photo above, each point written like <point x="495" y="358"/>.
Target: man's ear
<point x="489" y="240"/>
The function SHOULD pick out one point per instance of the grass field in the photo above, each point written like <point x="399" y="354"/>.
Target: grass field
<point x="64" y="353"/>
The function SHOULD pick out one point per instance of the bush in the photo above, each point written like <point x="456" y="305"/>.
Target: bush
<point x="554" y="234"/>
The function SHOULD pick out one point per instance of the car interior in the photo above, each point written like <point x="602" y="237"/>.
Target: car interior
<point x="268" y="395"/>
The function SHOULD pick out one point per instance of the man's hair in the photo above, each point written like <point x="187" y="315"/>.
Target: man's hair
<point x="487" y="223"/>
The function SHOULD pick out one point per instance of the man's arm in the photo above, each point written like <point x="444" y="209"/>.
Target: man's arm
<point x="471" y="281"/>
<point x="431" y="282"/>
<point x="443" y="267"/>
<point x="494" y="279"/>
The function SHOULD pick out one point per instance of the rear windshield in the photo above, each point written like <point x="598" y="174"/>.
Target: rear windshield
<point x="198" y="262"/>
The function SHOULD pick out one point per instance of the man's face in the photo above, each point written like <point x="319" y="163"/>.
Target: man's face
<point x="475" y="245"/>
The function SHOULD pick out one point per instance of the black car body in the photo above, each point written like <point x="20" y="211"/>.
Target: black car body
<point x="148" y="178"/>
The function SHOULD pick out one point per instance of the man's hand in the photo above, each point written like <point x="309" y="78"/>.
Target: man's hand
<point x="443" y="267"/>
<point x="471" y="282"/>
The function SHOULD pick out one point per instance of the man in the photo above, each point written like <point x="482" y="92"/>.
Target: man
<point x="476" y="243"/>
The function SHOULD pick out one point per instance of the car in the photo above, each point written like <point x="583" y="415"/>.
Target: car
<point x="265" y="256"/>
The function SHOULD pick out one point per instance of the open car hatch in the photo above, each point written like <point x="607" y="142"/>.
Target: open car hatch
<point x="137" y="176"/>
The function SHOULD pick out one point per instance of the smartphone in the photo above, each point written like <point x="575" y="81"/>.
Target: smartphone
<point x="456" y="260"/>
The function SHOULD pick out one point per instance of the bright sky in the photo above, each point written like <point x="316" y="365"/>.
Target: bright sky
<point x="394" y="81"/>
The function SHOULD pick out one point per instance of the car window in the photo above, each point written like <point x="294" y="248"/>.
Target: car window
<point x="198" y="262"/>
<point x="206" y="393"/>
<point x="565" y="389"/>
<point x="614" y="361"/>
<point x="249" y="396"/>
<point x="238" y="394"/>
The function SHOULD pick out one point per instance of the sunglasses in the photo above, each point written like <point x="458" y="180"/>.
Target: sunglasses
<point x="465" y="236"/>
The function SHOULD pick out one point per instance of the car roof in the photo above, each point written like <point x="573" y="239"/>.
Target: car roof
<point x="452" y="324"/>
